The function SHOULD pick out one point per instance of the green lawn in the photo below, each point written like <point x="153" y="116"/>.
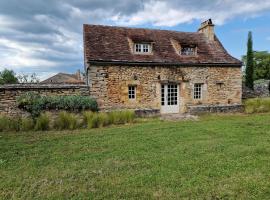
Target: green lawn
<point x="218" y="157"/>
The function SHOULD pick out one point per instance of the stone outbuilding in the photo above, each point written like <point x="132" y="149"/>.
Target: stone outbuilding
<point x="64" y="78"/>
<point x="168" y="71"/>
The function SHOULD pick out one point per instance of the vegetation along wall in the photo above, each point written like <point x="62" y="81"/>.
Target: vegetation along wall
<point x="9" y="94"/>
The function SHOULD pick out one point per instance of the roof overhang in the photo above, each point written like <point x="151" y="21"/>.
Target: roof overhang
<point x="99" y="62"/>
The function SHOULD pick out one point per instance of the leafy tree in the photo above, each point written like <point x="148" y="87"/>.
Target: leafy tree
<point x="261" y="64"/>
<point x="250" y="63"/>
<point x="8" y="77"/>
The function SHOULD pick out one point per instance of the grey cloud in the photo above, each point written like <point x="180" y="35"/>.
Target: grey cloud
<point x="51" y="30"/>
<point x="46" y="35"/>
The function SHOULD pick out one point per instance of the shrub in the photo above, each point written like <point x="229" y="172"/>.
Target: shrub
<point x="42" y="122"/>
<point x="27" y="124"/>
<point x="257" y="105"/>
<point x="34" y="103"/>
<point x="66" y="120"/>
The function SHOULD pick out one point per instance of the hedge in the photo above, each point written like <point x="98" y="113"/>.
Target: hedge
<point x="34" y="103"/>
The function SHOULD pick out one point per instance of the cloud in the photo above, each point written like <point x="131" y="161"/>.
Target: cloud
<point x="171" y="13"/>
<point x="46" y="36"/>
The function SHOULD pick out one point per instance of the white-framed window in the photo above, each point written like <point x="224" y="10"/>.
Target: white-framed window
<point x="132" y="92"/>
<point x="142" y="48"/>
<point x="197" y="91"/>
<point x="188" y="50"/>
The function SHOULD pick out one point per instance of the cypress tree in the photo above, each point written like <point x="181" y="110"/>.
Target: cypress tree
<point x="250" y="63"/>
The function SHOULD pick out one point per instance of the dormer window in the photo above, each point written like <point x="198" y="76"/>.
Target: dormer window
<point x="188" y="50"/>
<point x="142" y="48"/>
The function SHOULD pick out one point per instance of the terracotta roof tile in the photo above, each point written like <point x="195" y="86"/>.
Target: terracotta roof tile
<point x="107" y="43"/>
<point x="63" y="78"/>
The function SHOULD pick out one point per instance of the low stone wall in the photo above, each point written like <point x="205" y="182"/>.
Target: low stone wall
<point x="9" y="94"/>
<point x="215" y="109"/>
<point x="261" y="89"/>
<point x="147" y="112"/>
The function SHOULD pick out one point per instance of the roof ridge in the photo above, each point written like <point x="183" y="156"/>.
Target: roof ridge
<point x="141" y="28"/>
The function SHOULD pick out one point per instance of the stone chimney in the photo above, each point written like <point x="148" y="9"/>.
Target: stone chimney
<point x="207" y="28"/>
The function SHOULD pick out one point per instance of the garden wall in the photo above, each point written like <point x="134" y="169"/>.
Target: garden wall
<point x="261" y="89"/>
<point x="9" y="94"/>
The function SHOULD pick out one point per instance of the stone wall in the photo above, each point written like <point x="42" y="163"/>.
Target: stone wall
<point x="109" y="85"/>
<point x="215" y="109"/>
<point x="261" y="89"/>
<point x="9" y="93"/>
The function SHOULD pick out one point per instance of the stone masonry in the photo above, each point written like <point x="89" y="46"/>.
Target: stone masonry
<point x="9" y="94"/>
<point x="109" y="85"/>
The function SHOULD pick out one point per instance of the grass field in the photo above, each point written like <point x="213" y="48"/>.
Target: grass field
<point x="218" y="157"/>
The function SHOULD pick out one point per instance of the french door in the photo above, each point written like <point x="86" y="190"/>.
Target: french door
<point x="169" y="98"/>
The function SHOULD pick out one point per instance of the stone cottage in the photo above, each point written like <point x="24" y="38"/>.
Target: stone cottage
<point x="168" y="71"/>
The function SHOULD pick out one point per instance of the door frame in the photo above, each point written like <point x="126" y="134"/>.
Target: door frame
<point x="166" y="108"/>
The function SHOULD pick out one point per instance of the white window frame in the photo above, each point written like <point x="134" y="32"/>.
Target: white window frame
<point x="198" y="91"/>
<point x="142" y="48"/>
<point x="192" y="51"/>
<point x="132" y="92"/>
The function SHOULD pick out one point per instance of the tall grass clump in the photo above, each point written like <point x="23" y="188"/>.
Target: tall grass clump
<point x="66" y="120"/>
<point x="3" y="123"/>
<point x="121" y="117"/>
<point x="27" y="124"/>
<point x="9" y="124"/>
<point x="95" y="120"/>
<point x="87" y="118"/>
<point x="103" y="119"/>
<point x="257" y="105"/>
<point x="42" y="122"/>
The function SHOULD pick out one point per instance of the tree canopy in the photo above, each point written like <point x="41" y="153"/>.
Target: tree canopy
<point x="261" y="64"/>
<point x="8" y="77"/>
<point x="249" y="75"/>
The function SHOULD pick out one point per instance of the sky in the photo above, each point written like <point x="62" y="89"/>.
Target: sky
<point x="45" y="36"/>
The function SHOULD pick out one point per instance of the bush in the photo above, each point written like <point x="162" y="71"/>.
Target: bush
<point x="27" y="124"/>
<point x="34" y="103"/>
<point x="42" y="122"/>
<point x="66" y="121"/>
<point x="257" y="105"/>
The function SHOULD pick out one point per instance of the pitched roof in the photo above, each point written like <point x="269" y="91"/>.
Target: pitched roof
<point x="111" y="44"/>
<point x="63" y="78"/>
